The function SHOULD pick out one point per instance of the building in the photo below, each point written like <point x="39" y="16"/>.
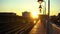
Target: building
<point x="6" y="13"/>
<point x="6" y="17"/>
<point x="26" y="14"/>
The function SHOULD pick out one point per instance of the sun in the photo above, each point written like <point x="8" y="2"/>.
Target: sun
<point x="34" y="14"/>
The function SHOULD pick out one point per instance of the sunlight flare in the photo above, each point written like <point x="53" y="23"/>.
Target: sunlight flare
<point x="34" y="14"/>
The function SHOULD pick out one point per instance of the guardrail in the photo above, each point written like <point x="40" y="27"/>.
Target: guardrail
<point x="54" y="29"/>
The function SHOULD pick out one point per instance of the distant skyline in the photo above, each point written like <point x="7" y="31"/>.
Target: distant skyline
<point x="19" y="6"/>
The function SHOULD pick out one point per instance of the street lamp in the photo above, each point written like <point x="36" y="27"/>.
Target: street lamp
<point x="40" y="1"/>
<point x="40" y="7"/>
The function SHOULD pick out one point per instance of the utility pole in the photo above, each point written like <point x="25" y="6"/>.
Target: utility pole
<point x="48" y="7"/>
<point x="49" y="26"/>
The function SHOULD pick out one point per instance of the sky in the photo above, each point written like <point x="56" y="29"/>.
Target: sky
<point x="19" y="6"/>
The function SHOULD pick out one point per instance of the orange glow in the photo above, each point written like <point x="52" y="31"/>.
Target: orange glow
<point x="35" y="26"/>
<point x="34" y="22"/>
<point x="34" y="14"/>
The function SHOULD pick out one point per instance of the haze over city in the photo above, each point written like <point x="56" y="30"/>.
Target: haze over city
<point x="19" y="6"/>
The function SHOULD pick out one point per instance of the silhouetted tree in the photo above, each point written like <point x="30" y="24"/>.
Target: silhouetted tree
<point x="59" y="16"/>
